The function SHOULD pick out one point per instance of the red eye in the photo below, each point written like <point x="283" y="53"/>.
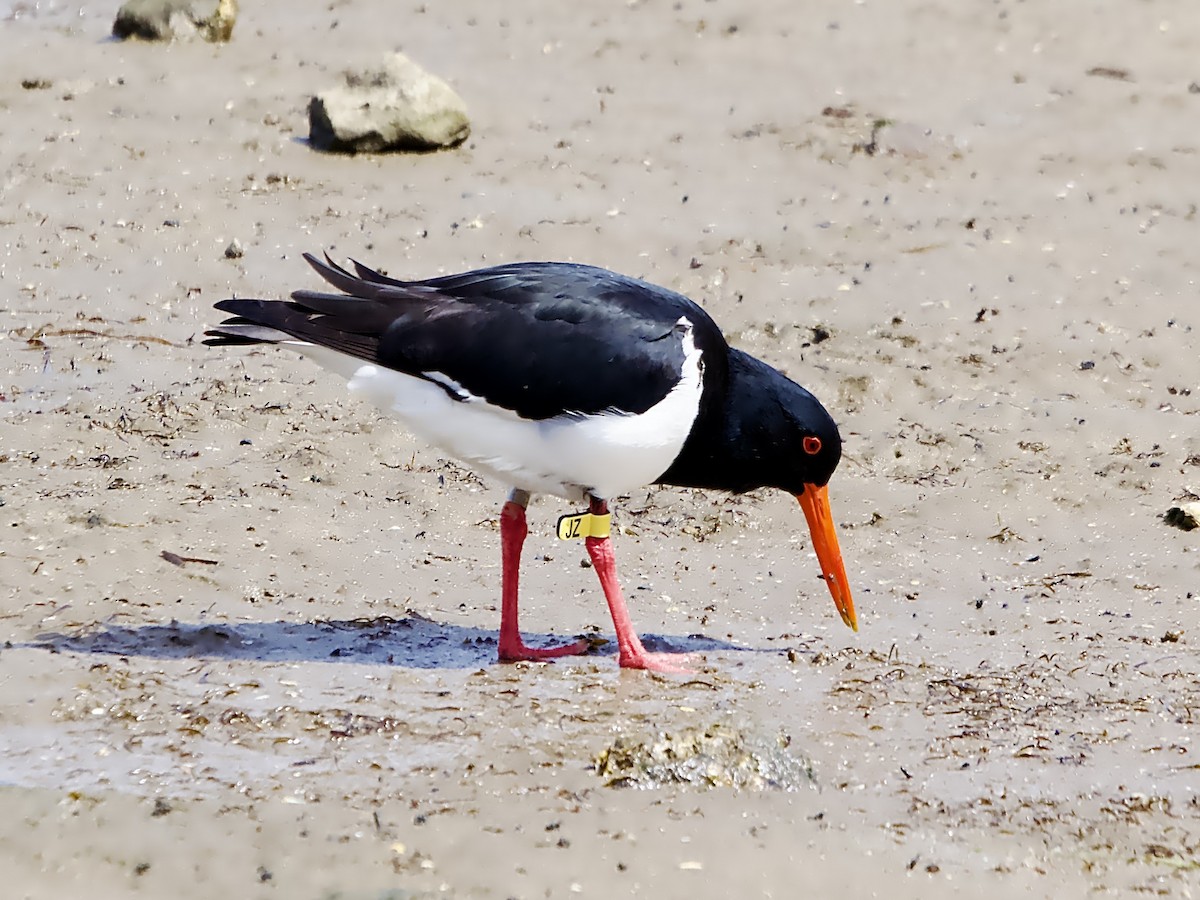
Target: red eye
<point x="812" y="445"/>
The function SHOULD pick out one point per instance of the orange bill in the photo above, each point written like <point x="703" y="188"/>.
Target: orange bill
<point x="815" y="503"/>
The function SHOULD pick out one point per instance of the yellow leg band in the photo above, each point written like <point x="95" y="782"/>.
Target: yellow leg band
<point x="583" y="525"/>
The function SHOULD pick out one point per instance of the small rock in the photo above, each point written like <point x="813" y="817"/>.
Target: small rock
<point x="397" y="106"/>
<point x="708" y="757"/>
<point x="1185" y="516"/>
<point x="165" y="20"/>
<point x="234" y="250"/>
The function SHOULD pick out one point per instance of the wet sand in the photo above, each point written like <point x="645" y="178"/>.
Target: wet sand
<point x="970" y="229"/>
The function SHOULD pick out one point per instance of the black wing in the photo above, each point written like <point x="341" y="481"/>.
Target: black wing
<point x="540" y="339"/>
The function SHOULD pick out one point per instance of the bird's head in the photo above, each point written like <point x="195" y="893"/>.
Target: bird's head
<point x="814" y="451"/>
<point x="775" y="434"/>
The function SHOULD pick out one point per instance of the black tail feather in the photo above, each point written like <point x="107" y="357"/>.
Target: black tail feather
<point x="335" y="274"/>
<point x="352" y="322"/>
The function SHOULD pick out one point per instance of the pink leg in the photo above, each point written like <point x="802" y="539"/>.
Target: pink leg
<point x="632" y="654"/>
<point x="512" y="536"/>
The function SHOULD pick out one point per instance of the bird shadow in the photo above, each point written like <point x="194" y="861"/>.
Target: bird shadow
<point x="413" y="641"/>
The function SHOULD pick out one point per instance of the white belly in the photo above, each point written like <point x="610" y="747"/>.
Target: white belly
<point x="604" y="455"/>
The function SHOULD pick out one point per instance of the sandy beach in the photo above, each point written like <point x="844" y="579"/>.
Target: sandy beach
<point x="248" y="626"/>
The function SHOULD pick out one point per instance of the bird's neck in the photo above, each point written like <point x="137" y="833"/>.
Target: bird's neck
<point x="725" y="450"/>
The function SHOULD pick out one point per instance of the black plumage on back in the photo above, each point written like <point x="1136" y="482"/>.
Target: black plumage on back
<point x="574" y="339"/>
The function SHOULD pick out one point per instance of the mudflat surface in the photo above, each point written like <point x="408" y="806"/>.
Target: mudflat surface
<point x="969" y="228"/>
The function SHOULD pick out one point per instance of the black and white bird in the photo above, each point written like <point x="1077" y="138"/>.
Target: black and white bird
<point x="568" y="380"/>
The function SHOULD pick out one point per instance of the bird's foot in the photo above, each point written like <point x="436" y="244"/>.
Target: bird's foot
<point x="675" y="663"/>
<point x="516" y="651"/>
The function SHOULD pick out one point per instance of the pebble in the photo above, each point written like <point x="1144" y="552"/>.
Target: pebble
<point x="396" y="106"/>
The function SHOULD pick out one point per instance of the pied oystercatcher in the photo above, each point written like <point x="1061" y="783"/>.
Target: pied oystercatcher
<point x="570" y="380"/>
